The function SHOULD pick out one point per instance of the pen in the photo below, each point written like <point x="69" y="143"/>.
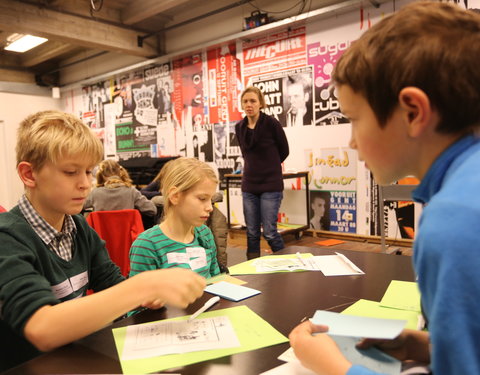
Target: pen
<point x="212" y="301"/>
<point x="300" y="258"/>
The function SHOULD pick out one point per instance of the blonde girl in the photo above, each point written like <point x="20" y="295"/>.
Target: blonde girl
<point x="182" y="239"/>
<point x="114" y="191"/>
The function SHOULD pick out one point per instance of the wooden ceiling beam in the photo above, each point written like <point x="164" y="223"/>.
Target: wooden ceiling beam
<point x="46" y="52"/>
<point x="12" y="75"/>
<point x="140" y="10"/>
<point x="30" y="19"/>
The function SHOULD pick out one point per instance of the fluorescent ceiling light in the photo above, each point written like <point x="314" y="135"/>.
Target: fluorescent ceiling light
<point x="23" y="43"/>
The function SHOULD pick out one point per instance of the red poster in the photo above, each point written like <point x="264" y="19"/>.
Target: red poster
<point x="274" y="53"/>
<point x="223" y="84"/>
<point x="188" y="89"/>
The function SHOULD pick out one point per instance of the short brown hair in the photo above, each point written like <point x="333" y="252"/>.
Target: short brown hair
<point x="256" y="91"/>
<point x="50" y="135"/>
<point x="432" y="46"/>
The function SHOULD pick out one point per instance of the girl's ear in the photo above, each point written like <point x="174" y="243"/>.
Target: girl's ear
<point x="26" y="174"/>
<point x="173" y="195"/>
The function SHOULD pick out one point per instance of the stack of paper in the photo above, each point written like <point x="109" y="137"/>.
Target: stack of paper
<point x="330" y="265"/>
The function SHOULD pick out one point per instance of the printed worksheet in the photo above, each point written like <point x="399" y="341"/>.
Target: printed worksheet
<point x="169" y="337"/>
<point x="270" y="264"/>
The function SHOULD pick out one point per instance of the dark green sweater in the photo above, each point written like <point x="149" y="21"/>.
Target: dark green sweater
<point x="32" y="276"/>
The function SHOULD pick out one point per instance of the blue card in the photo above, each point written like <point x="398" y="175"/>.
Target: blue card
<point x="358" y="326"/>
<point x="372" y="358"/>
<point x="231" y="291"/>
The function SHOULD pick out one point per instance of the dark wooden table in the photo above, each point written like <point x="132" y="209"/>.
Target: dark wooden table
<point x="285" y="300"/>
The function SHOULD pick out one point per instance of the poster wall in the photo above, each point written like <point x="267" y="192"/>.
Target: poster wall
<point x="189" y="106"/>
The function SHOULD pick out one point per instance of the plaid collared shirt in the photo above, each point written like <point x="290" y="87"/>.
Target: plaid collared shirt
<point x="59" y="242"/>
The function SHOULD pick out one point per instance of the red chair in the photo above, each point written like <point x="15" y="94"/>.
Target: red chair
<point x="2" y="209"/>
<point x="118" y="229"/>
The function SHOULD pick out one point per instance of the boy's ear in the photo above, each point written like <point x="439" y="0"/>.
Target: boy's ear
<point x="417" y="109"/>
<point x="25" y="172"/>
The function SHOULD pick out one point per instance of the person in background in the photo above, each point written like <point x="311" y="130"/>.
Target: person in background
<point x="153" y="188"/>
<point x="411" y="89"/>
<point x="264" y="147"/>
<point x="182" y="239"/>
<point x="50" y="256"/>
<point x="114" y="191"/>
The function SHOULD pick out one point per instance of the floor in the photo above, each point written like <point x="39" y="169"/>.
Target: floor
<point x="237" y="244"/>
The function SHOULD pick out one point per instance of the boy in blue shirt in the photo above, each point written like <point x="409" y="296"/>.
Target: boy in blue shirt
<point x="50" y="256"/>
<point x="411" y="88"/>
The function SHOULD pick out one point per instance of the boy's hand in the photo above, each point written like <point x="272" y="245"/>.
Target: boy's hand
<point x="176" y="286"/>
<point x="154" y="305"/>
<point x="395" y="347"/>
<point x="410" y="344"/>
<point x="318" y="353"/>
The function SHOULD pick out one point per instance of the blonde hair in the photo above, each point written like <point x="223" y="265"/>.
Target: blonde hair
<point x="182" y="174"/>
<point x="256" y="91"/>
<point x="50" y="135"/>
<point x="110" y="172"/>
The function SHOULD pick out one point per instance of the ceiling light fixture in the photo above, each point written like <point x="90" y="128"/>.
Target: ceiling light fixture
<point x="22" y="43"/>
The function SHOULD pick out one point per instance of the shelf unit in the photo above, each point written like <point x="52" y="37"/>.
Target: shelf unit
<point x="296" y="231"/>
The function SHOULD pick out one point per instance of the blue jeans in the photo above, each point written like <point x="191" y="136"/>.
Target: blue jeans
<point x="262" y="209"/>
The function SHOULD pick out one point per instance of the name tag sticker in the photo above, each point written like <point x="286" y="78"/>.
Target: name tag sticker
<point x="194" y="252"/>
<point x="177" y="258"/>
<point x="62" y="290"/>
<point x="80" y="280"/>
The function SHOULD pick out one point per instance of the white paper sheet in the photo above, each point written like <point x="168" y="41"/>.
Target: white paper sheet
<point x="336" y="265"/>
<point x="168" y="337"/>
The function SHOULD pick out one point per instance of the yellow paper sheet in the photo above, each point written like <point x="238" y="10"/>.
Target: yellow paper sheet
<point x="253" y="333"/>
<point x="403" y="295"/>
<point x="247" y="268"/>
<point x="373" y="309"/>
<point x="227" y="278"/>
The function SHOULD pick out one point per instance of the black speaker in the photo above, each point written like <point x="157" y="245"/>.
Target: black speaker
<point x="256" y="19"/>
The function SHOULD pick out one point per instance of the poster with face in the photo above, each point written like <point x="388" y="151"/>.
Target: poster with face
<point x="288" y="95"/>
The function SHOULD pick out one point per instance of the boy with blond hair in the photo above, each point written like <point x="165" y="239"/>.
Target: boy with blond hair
<point x="50" y="256"/>
<point x="411" y="88"/>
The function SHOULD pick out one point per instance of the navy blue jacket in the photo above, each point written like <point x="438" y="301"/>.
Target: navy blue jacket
<point x="264" y="148"/>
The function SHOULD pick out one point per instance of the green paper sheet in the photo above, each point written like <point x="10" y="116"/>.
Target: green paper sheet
<point x="247" y="268"/>
<point x="403" y="295"/>
<point x="253" y="333"/>
<point x="373" y="309"/>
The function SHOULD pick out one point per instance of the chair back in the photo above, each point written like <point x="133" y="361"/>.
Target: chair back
<point x="118" y="229"/>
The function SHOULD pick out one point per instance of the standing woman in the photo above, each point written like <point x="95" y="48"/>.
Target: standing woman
<point x="264" y="147"/>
